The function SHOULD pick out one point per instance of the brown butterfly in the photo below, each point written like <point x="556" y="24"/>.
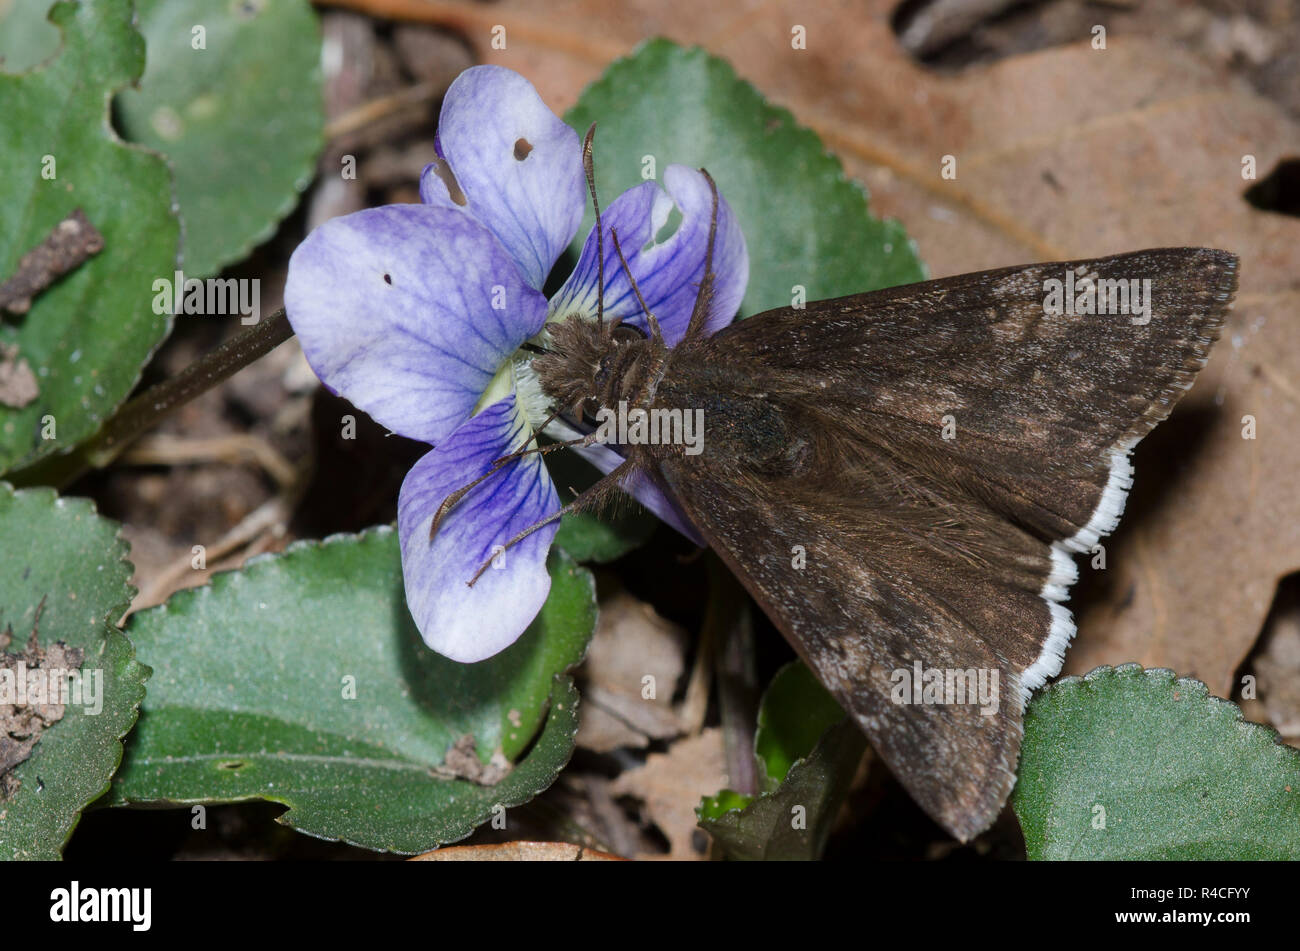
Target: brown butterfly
<point x="900" y="478"/>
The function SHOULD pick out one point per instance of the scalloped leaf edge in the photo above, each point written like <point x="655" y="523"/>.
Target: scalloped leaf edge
<point x="570" y="698"/>
<point x="788" y="123"/>
<point x="132" y="658"/>
<point x="1260" y="736"/>
<point x="38" y="458"/>
<point x="1198" y="690"/>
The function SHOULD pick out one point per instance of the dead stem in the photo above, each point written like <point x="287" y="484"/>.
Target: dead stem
<point x="145" y="411"/>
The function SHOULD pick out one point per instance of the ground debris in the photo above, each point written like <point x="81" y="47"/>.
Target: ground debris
<point x="631" y="674"/>
<point x="517" y="852"/>
<point x="17" y="381"/>
<point x="671" y="785"/>
<point x="23" y="721"/>
<point x="462" y="762"/>
<point x="70" y="242"/>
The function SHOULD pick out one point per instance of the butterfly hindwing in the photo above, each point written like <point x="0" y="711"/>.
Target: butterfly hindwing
<point x="930" y="583"/>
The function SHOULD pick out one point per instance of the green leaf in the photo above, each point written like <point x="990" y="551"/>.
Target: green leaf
<point x="805" y="223"/>
<point x="603" y="538"/>
<point x="725" y="800"/>
<point x="1127" y="763"/>
<point x="88" y="335"/>
<point x="59" y="550"/>
<point x="251" y="698"/>
<point x="794" y="820"/>
<point x="241" y="120"/>
<point x="808" y="750"/>
<point x="27" y="38"/>
<point x="796" y="711"/>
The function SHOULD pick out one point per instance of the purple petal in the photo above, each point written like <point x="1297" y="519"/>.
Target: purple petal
<point x="640" y="485"/>
<point x="669" y="273"/>
<point x="394" y="307"/>
<point x="519" y="167"/>
<point x="465" y="623"/>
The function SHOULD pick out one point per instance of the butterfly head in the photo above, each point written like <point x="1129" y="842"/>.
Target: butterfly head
<point x="589" y="365"/>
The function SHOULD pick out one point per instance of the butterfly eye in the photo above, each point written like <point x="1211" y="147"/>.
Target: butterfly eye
<point x="590" y="407"/>
<point x="626" y="333"/>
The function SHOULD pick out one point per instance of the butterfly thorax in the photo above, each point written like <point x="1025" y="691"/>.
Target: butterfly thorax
<point x="744" y="427"/>
<point x="589" y="366"/>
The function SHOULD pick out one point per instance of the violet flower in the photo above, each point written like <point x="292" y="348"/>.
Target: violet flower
<point x="416" y="313"/>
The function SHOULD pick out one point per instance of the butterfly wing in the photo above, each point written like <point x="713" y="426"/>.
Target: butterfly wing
<point x="1040" y="410"/>
<point x="947" y="552"/>
<point x="868" y="574"/>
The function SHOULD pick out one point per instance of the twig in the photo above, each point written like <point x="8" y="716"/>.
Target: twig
<point x="271" y="515"/>
<point x="471" y="17"/>
<point x="234" y="447"/>
<point x="144" y="412"/>
<point x="694" y="707"/>
<point x="382" y="107"/>
<point x="731" y="628"/>
<point x="68" y="244"/>
<point x="937" y="23"/>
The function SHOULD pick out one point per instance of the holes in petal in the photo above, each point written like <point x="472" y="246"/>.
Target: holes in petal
<point x="522" y="148"/>
<point x="444" y="172"/>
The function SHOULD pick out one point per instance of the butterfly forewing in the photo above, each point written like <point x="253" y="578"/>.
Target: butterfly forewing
<point x="897" y="477"/>
<point x="1038" y="402"/>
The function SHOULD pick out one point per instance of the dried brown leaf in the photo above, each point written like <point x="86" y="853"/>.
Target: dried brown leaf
<point x="517" y="852"/>
<point x="671" y="785"/>
<point x="622" y="708"/>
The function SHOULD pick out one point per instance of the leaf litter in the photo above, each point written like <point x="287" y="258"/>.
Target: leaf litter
<point x="23" y="723"/>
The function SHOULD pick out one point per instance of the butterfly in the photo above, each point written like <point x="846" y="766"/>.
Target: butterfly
<point x="901" y="478"/>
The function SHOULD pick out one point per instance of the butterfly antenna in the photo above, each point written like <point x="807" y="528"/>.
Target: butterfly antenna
<point x="452" y="500"/>
<point x="589" y="166"/>
<point x="704" y="298"/>
<point x="650" y="318"/>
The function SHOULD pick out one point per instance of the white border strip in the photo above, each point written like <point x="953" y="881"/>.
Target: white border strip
<point x="1065" y="573"/>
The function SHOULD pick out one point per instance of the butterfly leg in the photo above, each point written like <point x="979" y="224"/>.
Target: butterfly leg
<point x="452" y="500"/>
<point x="591" y="497"/>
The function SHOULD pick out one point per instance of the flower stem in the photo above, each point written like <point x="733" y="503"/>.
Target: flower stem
<point x="731" y="627"/>
<point x="147" y="410"/>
